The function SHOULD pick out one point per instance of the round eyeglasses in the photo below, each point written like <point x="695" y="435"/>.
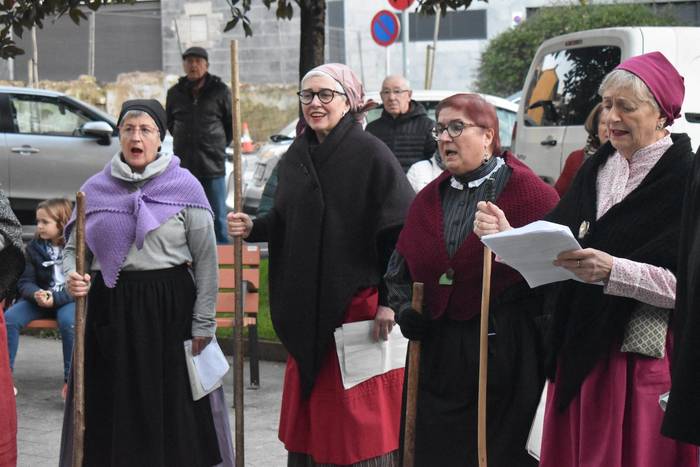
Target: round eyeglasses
<point x="324" y="95"/>
<point x="454" y="129"/>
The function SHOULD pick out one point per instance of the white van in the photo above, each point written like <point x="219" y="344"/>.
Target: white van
<point x="562" y="87"/>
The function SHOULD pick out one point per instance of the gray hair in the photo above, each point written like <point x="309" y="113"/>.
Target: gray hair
<point x="134" y="114"/>
<point x="623" y="79"/>
<point x="317" y="73"/>
<point x="404" y="82"/>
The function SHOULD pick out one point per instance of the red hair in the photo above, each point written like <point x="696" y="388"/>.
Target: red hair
<point x="478" y="110"/>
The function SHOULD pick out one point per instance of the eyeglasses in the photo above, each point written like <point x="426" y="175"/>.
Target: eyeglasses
<point x="454" y="129"/>
<point x="389" y="92"/>
<point x="324" y="95"/>
<point x="146" y="131"/>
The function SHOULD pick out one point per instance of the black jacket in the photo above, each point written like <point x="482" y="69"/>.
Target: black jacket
<point x="39" y="277"/>
<point x="408" y="136"/>
<point x="201" y="126"/>
<point x="335" y="207"/>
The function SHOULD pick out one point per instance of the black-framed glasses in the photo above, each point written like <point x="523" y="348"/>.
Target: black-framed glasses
<point x="324" y="95"/>
<point x="389" y="92"/>
<point x="454" y="129"/>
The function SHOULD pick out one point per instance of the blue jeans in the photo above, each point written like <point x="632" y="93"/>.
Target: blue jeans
<point x="22" y="312"/>
<point x="215" y="189"/>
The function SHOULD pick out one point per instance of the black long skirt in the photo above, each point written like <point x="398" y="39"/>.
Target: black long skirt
<point x="446" y="418"/>
<point x="138" y="403"/>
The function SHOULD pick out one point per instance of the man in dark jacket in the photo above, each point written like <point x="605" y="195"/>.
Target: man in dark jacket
<point x="199" y="119"/>
<point x="404" y="125"/>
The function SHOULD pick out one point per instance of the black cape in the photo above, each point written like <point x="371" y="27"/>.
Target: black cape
<point x="682" y="420"/>
<point x="643" y="227"/>
<point x="333" y="204"/>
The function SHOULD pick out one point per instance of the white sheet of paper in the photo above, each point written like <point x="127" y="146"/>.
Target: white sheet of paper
<point x="211" y="365"/>
<point x="360" y="357"/>
<point x="532" y="248"/>
<point x="534" y="439"/>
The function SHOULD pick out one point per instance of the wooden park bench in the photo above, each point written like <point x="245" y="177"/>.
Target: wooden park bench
<point x="225" y="301"/>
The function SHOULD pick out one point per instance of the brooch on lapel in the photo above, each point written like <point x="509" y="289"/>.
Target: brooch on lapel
<point x="583" y="229"/>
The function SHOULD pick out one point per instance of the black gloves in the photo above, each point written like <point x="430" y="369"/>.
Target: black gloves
<point x="414" y="325"/>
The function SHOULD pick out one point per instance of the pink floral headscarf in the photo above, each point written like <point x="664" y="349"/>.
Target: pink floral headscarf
<point x="351" y="85"/>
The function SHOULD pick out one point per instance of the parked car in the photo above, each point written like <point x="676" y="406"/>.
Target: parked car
<point x="561" y="88"/>
<point x="50" y="143"/>
<point x="271" y="152"/>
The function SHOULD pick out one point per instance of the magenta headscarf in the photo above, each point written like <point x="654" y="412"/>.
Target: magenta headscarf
<point x="352" y="86"/>
<point x="662" y="79"/>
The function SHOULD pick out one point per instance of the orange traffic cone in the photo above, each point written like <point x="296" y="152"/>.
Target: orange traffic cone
<point x="247" y="145"/>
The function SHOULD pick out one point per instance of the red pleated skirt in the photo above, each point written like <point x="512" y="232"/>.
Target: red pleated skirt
<point x="8" y="413"/>
<point x="615" y="420"/>
<point x="339" y="426"/>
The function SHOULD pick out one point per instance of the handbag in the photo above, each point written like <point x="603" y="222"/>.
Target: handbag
<point x="645" y="332"/>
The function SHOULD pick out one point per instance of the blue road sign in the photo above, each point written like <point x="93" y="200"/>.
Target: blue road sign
<point x="385" y="28"/>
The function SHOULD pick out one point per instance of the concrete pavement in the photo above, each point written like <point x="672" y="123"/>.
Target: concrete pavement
<point x="38" y="377"/>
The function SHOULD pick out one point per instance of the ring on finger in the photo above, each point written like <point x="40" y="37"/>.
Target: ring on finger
<point x="578" y="263"/>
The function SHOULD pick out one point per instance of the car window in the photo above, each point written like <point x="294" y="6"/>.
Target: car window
<point x="565" y="85"/>
<point x="46" y="116"/>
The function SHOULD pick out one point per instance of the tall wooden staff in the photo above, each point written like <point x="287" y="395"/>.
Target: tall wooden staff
<point x="484" y="342"/>
<point x="79" y="352"/>
<point x="238" y="258"/>
<point x="409" y="433"/>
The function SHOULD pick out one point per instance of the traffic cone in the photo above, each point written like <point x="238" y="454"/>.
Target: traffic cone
<point x="247" y="145"/>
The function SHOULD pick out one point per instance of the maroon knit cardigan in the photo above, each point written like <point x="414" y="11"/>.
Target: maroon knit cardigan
<point x="525" y="198"/>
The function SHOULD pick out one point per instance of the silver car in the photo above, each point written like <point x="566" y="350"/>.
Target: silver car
<point x="50" y="143"/>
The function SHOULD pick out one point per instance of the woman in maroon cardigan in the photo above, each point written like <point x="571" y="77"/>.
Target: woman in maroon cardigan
<point x="596" y="126"/>
<point x="437" y="247"/>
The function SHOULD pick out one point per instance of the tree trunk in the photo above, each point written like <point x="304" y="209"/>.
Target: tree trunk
<point x="313" y="34"/>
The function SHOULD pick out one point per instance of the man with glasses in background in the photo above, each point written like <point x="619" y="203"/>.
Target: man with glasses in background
<point x="404" y="125"/>
<point x="198" y="109"/>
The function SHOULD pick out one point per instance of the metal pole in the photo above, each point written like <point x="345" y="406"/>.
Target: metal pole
<point x="35" y="58"/>
<point x="91" y="44"/>
<point x="404" y="26"/>
<point x="238" y="258"/>
<point x="79" y="344"/>
<point x="387" y="64"/>
<point x="359" y="48"/>
<point x="433" y="50"/>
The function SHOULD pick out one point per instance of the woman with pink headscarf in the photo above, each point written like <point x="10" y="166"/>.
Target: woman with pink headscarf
<point x="340" y="203"/>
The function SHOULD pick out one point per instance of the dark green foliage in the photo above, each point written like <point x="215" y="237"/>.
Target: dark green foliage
<point x="506" y="60"/>
<point x="16" y="16"/>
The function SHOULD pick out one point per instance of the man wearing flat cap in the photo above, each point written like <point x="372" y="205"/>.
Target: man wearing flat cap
<point x="198" y="111"/>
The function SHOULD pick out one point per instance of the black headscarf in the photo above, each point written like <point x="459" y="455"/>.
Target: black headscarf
<point x="152" y="107"/>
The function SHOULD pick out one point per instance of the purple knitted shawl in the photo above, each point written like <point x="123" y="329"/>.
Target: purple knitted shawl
<point x="117" y="216"/>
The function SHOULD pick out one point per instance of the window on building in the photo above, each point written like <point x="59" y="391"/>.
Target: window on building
<point x="566" y="83"/>
<point x="455" y="25"/>
<point x="199" y="31"/>
<point x="335" y="37"/>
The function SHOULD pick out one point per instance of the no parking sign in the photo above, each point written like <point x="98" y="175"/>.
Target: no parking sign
<point x="385" y="28"/>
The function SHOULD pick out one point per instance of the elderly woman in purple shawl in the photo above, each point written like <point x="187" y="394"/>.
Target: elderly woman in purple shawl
<point x="340" y="202"/>
<point x="152" y="285"/>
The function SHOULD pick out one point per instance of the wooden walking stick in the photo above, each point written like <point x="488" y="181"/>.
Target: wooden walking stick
<point x="484" y="342"/>
<point x="78" y="363"/>
<point x="409" y="433"/>
<point x="238" y="259"/>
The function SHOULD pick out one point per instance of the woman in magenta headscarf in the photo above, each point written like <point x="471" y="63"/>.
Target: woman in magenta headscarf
<point x="609" y="340"/>
<point x="340" y="203"/>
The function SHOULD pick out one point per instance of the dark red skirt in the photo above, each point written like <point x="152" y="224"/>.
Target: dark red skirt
<point x="8" y="411"/>
<point x="339" y="426"/>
